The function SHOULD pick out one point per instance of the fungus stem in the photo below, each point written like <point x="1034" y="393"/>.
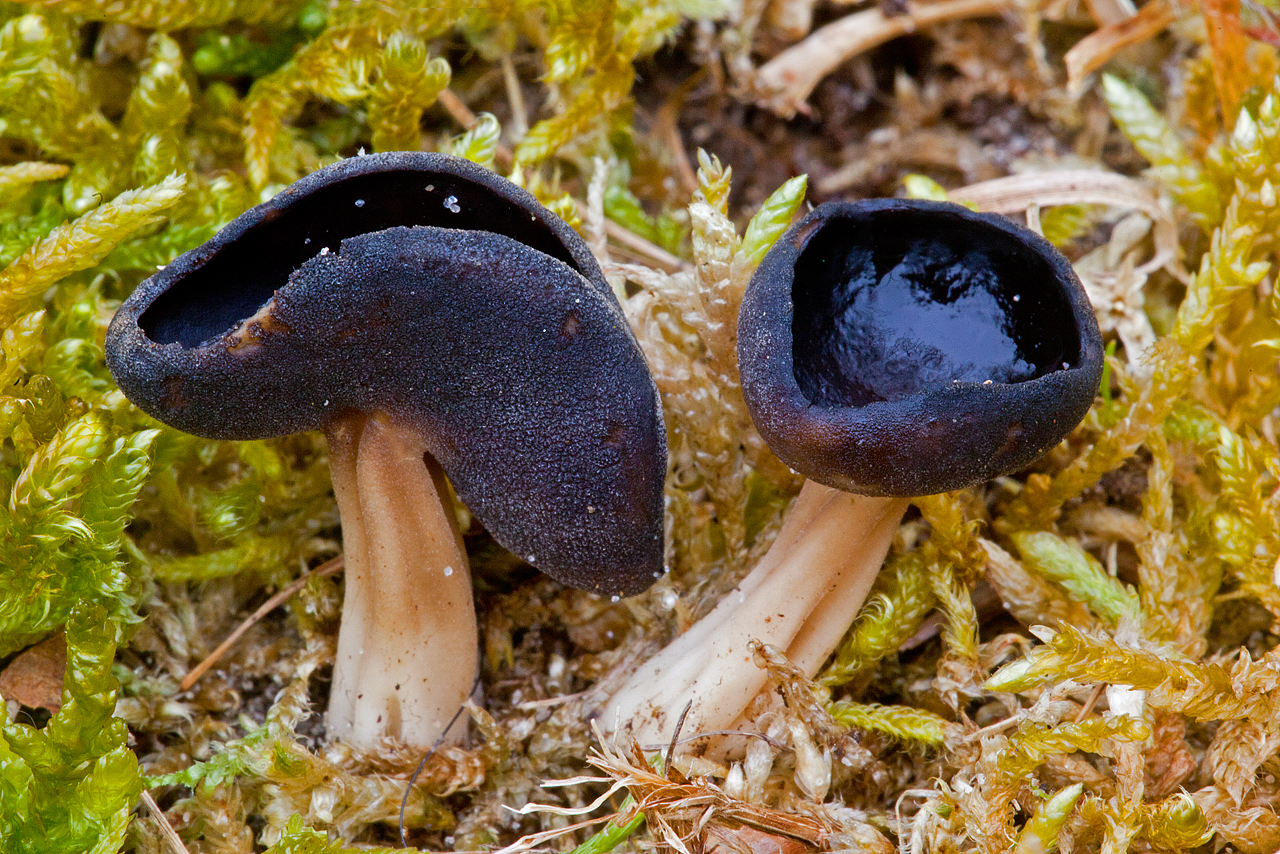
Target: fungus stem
<point x="407" y="649"/>
<point x="801" y="598"/>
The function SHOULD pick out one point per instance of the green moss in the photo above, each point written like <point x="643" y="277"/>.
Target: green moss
<point x="71" y="785"/>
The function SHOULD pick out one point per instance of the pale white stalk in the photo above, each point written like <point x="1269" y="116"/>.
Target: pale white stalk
<point x="408" y="646"/>
<point x="801" y="597"/>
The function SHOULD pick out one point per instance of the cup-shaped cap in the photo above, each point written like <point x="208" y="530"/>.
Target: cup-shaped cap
<point x="896" y="347"/>
<point x="428" y="288"/>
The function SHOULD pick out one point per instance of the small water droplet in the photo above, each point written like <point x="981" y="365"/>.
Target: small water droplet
<point x="451" y="203"/>
<point x="448" y="571"/>
<point x="306" y="240"/>
<point x="324" y="250"/>
<point x="615" y="598"/>
<point x="1017" y="297"/>
<point x="360" y="204"/>
<point x="431" y="187"/>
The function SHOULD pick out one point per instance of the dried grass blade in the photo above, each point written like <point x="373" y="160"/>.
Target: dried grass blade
<point x="1096" y="49"/>
<point x="1080" y="187"/>
<point x="533" y="840"/>
<point x="583" y="810"/>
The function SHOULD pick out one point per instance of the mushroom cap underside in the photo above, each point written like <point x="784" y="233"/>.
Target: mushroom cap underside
<point x="897" y="347"/>
<point x="520" y="372"/>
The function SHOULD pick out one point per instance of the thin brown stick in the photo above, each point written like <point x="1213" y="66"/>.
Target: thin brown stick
<point x="329" y="567"/>
<point x="658" y="256"/>
<point x="667" y="128"/>
<point x="1092" y="701"/>
<point x="162" y="821"/>
<point x="529" y="705"/>
<point x="462" y="114"/>
<point x="1096" y="49"/>
<point x="998" y="726"/>
<point x="675" y="736"/>
<point x="515" y="97"/>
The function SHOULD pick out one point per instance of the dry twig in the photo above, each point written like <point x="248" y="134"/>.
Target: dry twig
<point x="162" y="822"/>
<point x="1096" y="49"/>
<point x="784" y="82"/>
<point x="329" y="567"/>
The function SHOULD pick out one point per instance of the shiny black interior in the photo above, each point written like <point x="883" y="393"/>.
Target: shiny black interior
<point x="896" y="302"/>
<point x="241" y="275"/>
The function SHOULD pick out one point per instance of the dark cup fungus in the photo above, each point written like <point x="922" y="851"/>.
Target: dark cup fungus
<point x="430" y="317"/>
<point x="887" y="348"/>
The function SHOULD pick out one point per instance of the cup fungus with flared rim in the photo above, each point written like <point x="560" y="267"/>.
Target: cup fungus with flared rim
<point x="886" y="348"/>
<point x="430" y="317"/>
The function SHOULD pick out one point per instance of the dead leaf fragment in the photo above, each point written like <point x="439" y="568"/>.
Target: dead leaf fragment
<point x="34" y="677"/>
